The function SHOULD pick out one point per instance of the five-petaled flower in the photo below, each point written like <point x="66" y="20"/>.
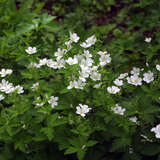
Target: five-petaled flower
<point x="31" y="50"/>
<point x="82" y="109"/>
<point x="53" y="101"/>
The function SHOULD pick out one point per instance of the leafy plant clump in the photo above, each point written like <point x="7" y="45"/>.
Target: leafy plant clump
<point x="93" y="94"/>
<point x="60" y="95"/>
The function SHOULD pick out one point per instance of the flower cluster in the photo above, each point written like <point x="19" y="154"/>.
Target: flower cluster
<point x="104" y="58"/>
<point x="88" y="66"/>
<point x="134" y="79"/>
<point x="7" y="87"/>
<point x="89" y="42"/>
<point x="5" y="72"/>
<point x="85" y="61"/>
<point x="118" y="82"/>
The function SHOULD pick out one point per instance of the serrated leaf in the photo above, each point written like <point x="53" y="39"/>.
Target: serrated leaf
<point x="48" y="132"/>
<point x="45" y="18"/>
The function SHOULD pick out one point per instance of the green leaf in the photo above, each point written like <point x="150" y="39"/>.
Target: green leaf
<point x="48" y="132"/>
<point x="23" y="28"/>
<point x="81" y="154"/>
<point x="120" y="143"/>
<point x="51" y="119"/>
<point x="45" y="18"/>
<point x="91" y="143"/>
<point x="71" y="150"/>
<point x="20" y="145"/>
<point x="151" y="149"/>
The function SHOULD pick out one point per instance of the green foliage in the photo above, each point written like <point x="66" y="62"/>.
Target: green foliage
<point x="31" y="128"/>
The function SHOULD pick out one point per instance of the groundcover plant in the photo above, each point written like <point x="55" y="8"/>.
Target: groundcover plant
<point x="68" y="94"/>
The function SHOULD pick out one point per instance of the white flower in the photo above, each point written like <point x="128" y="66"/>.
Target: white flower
<point x="82" y="110"/>
<point x="60" y="63"/>
<point x="105" y="59"/>
<point x="6" y="87"/>
<point x="95" y="76"/>
<point x="86" y="63"/>
<point x="123" y="75"/>
<point x="118" y="110"/>
<point x="156" y="130"/>
<point x="83" y="76"/>
<point x="31" y="50"/>
<point x="5" y="72"/>
<point x="87" y="54"/>
<point x="53" y="101"/>
<point x="34" y="65"/>
<point x="97" y="85"/>
<point x="118" y="82"/>
<point x="60" y="52"/>
<point x="94" y="68"/>
<point x="43" y="61"/>
<point x="113" y="89"/>
<point x="79" y="57"/>
<point x="133" y="119"/>
<point x="148" y="77"/>
<point x="35" y="85"/>
<point x="158" y="67"/>
<point x="68" y="44"/>
<point x="1" y="97"/>
<point x="135" y="71"/>
<point x="89" y="42"/>
<point x="71" y="85"/>
<point x="72" y="61"/>
<point x="102" y="53"/>
<point x="74" y="37"/>
<point x="76" y="84"/>
<point x="85" y="45"/>
<point x="19" y="89"/>
<point x="40" y="104"/>
<point x="79" y="84"/>
<point x="148" y="39"/>
<point x="134" y="80"/>
<point x="52" y="64"/>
